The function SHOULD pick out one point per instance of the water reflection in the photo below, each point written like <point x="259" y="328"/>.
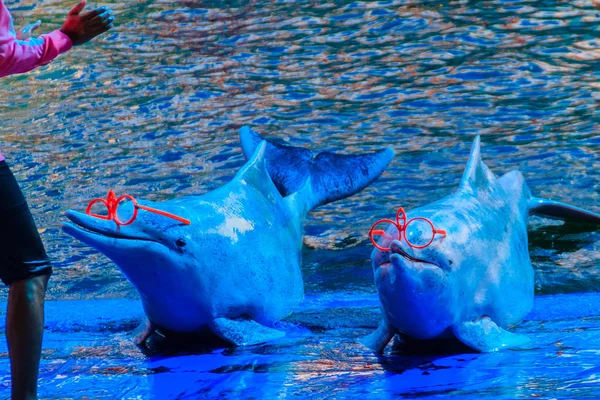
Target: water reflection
<point x="92" y="355"/>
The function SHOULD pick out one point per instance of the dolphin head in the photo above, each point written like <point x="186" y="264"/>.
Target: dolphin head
<point x="223" y="264"/>
<point x="151" y="246"/>
<point x="416" y="286"/>
<point x="421" y="288"/>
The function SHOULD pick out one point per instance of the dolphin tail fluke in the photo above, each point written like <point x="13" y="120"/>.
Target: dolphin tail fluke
<point x="557" y="210"/>
<point x="330" y="176"/>
<point x="485" y="336"/>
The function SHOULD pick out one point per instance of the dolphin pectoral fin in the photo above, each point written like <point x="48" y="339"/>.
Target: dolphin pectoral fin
<point x="377" y="340"/>
<point x="243" y="332"/>
<point x="143" y="332"/>
<point x="557" y="210"/>
<point x="485" y="336"/>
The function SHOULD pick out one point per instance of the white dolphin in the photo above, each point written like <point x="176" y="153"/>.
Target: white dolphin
<point x="475" y="281"/>
<point x="235" y="269"/>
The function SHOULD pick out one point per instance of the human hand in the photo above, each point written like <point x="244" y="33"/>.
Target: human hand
<point x="81" y="28"/>
<point x="26" y="32"/>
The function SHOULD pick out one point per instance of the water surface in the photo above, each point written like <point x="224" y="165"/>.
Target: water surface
<point x="153" y="109"/>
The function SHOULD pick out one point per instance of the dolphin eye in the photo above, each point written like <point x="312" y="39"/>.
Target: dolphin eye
<point x="180" y="242"/>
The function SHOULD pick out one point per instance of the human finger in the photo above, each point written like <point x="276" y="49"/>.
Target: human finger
<point x="27" y="31"/>
<point x="101" y="18"/>
<point x="78" y="8"/>
<point x="32" y="26"/>
<point x="94" y="13"/>
<point x="35" y="25"/>
<point x="107" y="27"/>
<point x="101" y="25"/>
<point x="100" y="29"/>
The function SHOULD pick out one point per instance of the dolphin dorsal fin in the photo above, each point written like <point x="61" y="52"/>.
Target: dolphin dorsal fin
<point x="254" y="172"/>
<point x="477" y="175"/>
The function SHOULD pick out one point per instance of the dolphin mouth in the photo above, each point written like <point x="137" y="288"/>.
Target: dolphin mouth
<point x="400" y="251"/>
<point x="106" y="234"/>
<point x="77" y="224"/>
<point x="383" y="258"/>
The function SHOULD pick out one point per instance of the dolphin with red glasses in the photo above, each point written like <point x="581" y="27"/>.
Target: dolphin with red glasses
<point x="459" y="268"/>
<point x="226" y="262"/>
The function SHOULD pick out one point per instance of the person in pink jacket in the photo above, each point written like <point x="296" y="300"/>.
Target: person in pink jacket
<point x="24" y="265"/>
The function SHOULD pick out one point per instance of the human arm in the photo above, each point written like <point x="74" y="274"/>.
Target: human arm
<point x="18" y="56"/>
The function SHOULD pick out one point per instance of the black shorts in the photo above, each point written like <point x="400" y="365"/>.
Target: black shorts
<point x="22" y="253"/>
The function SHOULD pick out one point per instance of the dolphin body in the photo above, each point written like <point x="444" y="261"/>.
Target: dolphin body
<point x="473" y="283"/>
<point x="235" y="270"/>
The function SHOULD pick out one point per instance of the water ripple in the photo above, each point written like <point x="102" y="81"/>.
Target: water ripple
<point x="153" y="109"/>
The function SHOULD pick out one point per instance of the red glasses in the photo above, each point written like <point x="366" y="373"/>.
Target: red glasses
<point x="112" y="204"/>
<point x="419" y="232"/>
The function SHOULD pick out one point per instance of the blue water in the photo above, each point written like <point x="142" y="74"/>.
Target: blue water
<point x="88" y="354"/>
<point x="153" y="108"/>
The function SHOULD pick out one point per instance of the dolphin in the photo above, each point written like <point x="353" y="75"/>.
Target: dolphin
<point x="235" y="269"/>
<point x="475" y="280"/>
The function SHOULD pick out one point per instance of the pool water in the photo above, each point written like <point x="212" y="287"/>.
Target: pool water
<point x="88" y="354"/>
<point x="153" y="109"/>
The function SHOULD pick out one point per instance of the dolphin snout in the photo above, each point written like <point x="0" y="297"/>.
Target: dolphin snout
<point x="380" y="257"/>
<point x="396" y="248"/>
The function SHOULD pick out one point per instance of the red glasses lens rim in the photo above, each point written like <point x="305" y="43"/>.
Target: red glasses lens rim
<point x="135" y="209"/>
<point x="383" y="221"/>
<point x="91" y="204"/>
<point x="432" y="233"/>
<point x="401" y="221"/>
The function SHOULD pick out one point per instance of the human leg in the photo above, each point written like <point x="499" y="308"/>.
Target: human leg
<point x="24" y="331"/>
<point x="24" y="266"/>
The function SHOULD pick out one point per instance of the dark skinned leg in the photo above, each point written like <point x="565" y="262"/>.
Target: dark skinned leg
<point x="24" y="331"/>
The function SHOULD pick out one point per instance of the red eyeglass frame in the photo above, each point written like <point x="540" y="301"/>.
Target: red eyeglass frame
<point x="112" y="203"/>
<point x="401" y="227"/>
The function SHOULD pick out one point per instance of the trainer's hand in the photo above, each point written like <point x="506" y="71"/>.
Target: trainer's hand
<point x="81" y="28"/>
<point x="26" y="32"/>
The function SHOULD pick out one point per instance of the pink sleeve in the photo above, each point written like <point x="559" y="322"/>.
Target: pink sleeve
<point x="17" y="56"/>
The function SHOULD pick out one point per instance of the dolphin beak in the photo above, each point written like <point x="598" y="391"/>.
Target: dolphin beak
<point x="380" y="257"/>
<point x="88" y="222"/>
<point x="396" y="248"/>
